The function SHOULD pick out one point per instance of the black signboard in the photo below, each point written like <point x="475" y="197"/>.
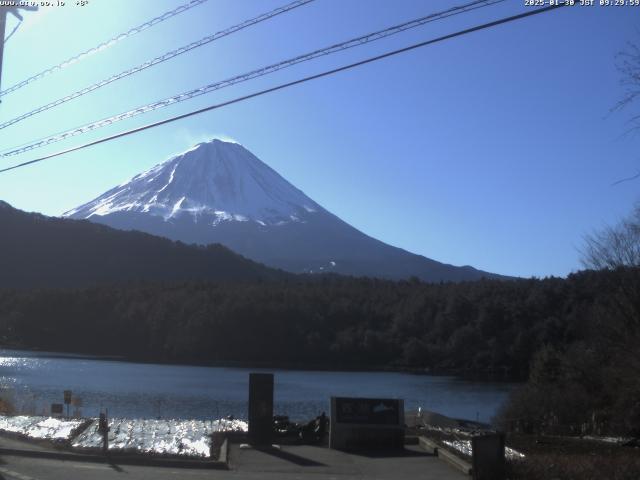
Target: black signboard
<point x="367" y="411"/>
<point x="488" y="457"/>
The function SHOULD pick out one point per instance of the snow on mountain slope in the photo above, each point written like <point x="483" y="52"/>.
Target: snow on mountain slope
<point x="217" y="181"/>
<point x="219" y="192"/>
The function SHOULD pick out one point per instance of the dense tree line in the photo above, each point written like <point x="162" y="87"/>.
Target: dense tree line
<point x="590" y="385"/>
<point x="483" y="326"/>
<point x="329" y="321"/>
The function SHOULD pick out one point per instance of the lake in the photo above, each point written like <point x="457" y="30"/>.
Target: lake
<point x="34" y="380"/>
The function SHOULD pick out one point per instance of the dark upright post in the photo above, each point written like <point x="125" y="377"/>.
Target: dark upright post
<point x="3" y="23"/>
<point x="260" y="408"/>
<point x="4" y="10"/>
<point x="103" y="428"/>
<point x="488" y="457"/>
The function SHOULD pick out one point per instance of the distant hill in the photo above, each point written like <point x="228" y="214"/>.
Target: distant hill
<point x="40" y="251"/>
<point x="219" y="192"/>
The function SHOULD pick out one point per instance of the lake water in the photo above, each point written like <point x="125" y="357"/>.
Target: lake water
<point x="142" y="390"/>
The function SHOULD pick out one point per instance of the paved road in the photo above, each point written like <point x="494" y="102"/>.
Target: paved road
<point x="288" y="463"/>
<point x="25" y="468"/>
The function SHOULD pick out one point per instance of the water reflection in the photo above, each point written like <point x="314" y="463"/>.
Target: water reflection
<point x="175" y="391"/>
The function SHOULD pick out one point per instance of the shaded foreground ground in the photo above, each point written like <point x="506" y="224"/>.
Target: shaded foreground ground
<point x="326" y="463"/>
<point x="288" y="462"/>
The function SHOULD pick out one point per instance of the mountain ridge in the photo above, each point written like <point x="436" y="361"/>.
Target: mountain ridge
<point x="219" y="192"/>
<point x="37" y="251"/>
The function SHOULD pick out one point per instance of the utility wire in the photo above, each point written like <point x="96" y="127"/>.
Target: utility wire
<point x="155" y="61"/>
<point x="104" y="45"/>
<point x="354" y="42"/>
<point x="290" y="84"/>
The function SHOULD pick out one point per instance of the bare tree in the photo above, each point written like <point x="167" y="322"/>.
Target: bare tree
<point x="613" y="247"/>
<point x="628" y="65"/>
<point x="617" y="319"/>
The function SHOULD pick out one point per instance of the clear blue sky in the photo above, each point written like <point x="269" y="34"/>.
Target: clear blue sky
<point x="495" y="150"/>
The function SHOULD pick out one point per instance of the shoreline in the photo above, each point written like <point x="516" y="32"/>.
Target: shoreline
<point x="482" y="376"/>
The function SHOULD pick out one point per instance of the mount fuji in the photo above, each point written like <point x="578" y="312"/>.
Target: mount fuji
<point x="219" y="192"/>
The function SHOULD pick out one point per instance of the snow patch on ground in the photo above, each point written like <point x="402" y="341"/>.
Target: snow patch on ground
<point x="617" y="440"/>
<point x="190" y="438"/>
<point x="464" y="447"/>
<point x="164" y="437"/>
<point x="48" y="428"/>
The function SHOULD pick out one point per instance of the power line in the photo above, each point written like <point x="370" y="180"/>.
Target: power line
<point x="354" y="42"/>
<point x="155" y="61"/>
<point x="292" y="83"/>
<point x="104" y="45"/>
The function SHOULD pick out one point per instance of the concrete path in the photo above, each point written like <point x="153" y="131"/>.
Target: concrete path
<point x="6" y="442"/>
<point x="323" y="463"/>
<point x="287" y="463"/>
<point x="25" y="468"/>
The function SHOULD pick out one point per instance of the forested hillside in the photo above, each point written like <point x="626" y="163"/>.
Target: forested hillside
<point x="41" y="251"/>
<point x="479" y="326"/>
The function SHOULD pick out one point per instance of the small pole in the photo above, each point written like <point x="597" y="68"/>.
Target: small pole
<point x="3" y="24"/>
<point x="103" y="428"/>
<point x="67" y="399"/>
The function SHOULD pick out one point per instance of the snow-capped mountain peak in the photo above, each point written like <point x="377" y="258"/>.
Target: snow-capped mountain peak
<point x="214" y="181"/>
<point x="219" y="192"/>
